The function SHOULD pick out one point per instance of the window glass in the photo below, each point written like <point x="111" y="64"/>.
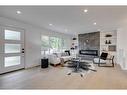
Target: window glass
<point x="11" y="61"/>
<point x="12" y="48"/>
<point x="12" y="35"/>
<point x="53" y="44"/>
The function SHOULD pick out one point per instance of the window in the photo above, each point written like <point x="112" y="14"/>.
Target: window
<point x="53" y="44"/>
<point x="45" y="46"/>
<point x="12" y="35"/>
<point x="11" y="61"/>
<point x="65" y="44"/>
<point x="12" y="48"/>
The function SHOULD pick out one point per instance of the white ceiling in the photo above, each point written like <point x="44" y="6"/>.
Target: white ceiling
<point x="71" y="18"/>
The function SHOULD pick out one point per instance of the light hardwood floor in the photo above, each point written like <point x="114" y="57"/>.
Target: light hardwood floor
<point x="57" y="78"/>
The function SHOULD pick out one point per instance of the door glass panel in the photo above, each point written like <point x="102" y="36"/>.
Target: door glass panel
<point x="11" y="61"/>
<point x="12" y="48"/>
<point x="12" y="35"/>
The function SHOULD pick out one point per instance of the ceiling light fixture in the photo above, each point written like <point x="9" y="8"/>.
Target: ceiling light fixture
<point x="94" y="23"/>
<point x="50" y="24"/>
<point x="85" y="10"/>
<point x="18" y="12"/>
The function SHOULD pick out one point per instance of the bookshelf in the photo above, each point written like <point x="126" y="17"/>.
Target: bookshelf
<point x="108" y="43"/>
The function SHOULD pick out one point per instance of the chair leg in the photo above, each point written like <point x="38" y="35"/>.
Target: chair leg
<point x="112" y="63"/>
<point x="98" y="64"/>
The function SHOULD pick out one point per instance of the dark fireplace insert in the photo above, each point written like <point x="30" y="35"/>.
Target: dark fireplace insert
<point x="89" y="52"/>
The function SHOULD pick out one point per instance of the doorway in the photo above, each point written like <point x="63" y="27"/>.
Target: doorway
<point x="12" y="51"/>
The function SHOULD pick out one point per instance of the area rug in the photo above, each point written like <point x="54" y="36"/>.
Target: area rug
<point x="83" y="73"/>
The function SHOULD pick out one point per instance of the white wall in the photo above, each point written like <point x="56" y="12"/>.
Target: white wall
<point x="32" y="39"/>
<point x="122" y="47"/>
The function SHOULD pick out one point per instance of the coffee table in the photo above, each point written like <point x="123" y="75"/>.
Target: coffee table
<point x="78" y="65"/>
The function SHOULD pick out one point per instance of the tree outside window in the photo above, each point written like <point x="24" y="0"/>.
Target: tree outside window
<point x="52" y="44"/>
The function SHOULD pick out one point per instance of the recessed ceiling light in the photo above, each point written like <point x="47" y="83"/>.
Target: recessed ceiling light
<point x="50" y="24"/>
<point x="18" y="12"/>
<point x="94" y="23"/>
<point x="85" y="10"/>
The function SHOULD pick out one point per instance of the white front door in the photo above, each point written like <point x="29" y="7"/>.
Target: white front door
<point x="11" y="49"/>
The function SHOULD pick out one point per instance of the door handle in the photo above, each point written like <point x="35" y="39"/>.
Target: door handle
<point x="22" y="50"/>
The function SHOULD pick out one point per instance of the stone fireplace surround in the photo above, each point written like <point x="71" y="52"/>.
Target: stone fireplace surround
<point x="89" y="45"/>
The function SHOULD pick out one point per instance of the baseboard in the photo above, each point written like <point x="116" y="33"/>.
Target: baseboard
<point x="35" y="65"/>
<point x="123" y="68"/>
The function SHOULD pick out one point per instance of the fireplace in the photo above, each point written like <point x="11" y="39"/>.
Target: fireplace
<point x="89" y="52"/>
<point x="89" y="45"/>
<point x="89" y="42"/>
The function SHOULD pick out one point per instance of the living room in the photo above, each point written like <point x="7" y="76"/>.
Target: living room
<point x="49" y="44"/>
